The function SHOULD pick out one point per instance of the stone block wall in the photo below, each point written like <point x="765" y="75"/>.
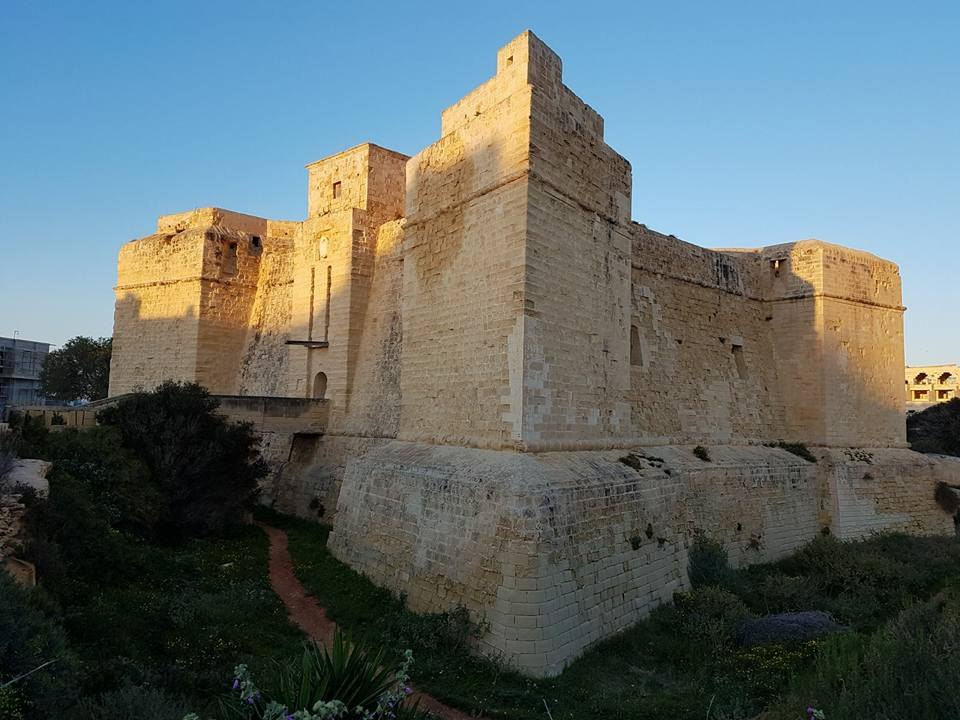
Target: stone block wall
<point x="559" y="550"/>
<point x="577" y="280"/>
<point x="837" y="321"/>
<point x="264" y="363"/>
<point x="185" y="298"/>
<point x="373" y="406"/>
<point x="463" y="271"/>
<point x="702" y="356"/>
<point x="156" y="323"/>
<point x="556" y="551"/>
<point x="886" y="489"/>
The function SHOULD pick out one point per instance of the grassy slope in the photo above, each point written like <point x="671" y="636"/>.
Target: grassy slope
<point x="186" y="622"/>
<point x="660" y="668"/>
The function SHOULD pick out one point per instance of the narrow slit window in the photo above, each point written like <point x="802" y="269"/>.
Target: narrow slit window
<point x="326" y="311"/>
<point x="636" y="349"/>
<point x="337" y="189"/>
<point x="740" y="362"/>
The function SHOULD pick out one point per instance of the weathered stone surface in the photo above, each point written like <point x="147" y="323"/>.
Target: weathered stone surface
<point x="786" y="627"/>
<point x="25" y="475"/>
<point x="31" y="474"/>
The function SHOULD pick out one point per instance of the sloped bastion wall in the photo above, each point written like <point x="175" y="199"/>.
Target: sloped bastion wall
<point x="555" y="551"/>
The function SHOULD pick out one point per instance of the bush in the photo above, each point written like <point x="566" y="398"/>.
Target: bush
<point x="708" y="563"/>
<point x="28" y="435"/>
<point x="861" y="584"/>
<point x="909" y="669"/>
<point x="947" y="497"/>
<point x="438" y="632"/>
<point x="710" y="614"/>
<point x="131" y="701"/>
<point x="206" y="468"/>
<point x="350" y="680"/>
<point x="28" y="639"/>
<point x="702" y="453"/>
<point x="936" y="429"/>
<point x="117" y="481"/>
<point x="70" y="540"/>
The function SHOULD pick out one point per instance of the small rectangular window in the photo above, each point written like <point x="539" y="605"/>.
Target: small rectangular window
<point x="337" y="189"/>
<point x="636" y="348"/>
<point x="230" y="260"/>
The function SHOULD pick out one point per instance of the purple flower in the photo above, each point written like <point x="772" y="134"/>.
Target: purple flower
<point x="236" y="683"/>
<point x="408" y="690"/>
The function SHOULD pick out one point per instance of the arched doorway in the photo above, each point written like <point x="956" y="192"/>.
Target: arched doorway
<point x="320" y="386"/>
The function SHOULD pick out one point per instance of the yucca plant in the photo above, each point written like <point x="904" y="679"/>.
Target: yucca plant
<point x="353" y="673"/>
<point x="350" y="680"/>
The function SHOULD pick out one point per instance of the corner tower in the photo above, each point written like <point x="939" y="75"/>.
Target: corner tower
<point x="516" y="265"/>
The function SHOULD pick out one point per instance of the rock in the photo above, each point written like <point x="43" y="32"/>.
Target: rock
<point x="786" y="627"/>
<point x="25" y="474"/>
<point x="31" y="474"/>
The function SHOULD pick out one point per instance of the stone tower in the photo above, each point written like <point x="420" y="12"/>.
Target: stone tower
<point x="517" y="268"/>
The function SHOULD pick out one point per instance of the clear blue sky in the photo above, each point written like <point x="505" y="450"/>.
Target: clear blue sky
<point x="746" y="124"/>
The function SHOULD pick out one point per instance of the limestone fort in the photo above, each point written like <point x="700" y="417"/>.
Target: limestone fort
<point x="511" y="374"/>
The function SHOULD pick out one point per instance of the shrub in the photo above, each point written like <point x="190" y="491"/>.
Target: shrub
<point x="131" y="701"/>
<point x="909" y="669"/>
<point x="351" y="680"/>
<point x="946" y="496"/>
<point x="28" y="640"/>
<point x="710" y="614"/>
<point x="206" y="467"/>
<point x="862" y="584"/>
<point x="708" y="563"/>
<point x="71" y="541"/>
<point x="446" y="631"/>
<point x="117" y="481"/>
<point x="701" y="452"/>
<point x="28" y="435"/>
<point x="936" y="429"/>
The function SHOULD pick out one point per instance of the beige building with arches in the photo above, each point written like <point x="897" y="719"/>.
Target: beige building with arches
<point x="929" y="384"/>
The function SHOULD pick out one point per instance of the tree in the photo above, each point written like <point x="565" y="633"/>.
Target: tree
<point x="80" y="370"/>
<point x="206" y="467"/>
<point x="936" y="429"/>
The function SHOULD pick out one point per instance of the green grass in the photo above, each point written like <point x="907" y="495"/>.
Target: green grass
<point x="680" y="662"/>
<point x="185" y="622"/>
